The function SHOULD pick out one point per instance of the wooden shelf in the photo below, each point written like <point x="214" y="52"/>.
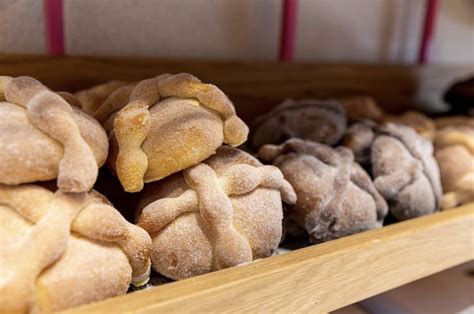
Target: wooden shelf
<point x="253" y="86"/>
<point x="319" y="278"/>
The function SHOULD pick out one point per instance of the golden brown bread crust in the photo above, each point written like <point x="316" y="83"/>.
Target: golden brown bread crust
<point x="92" y="98"/>
<point x="361" y="107"/>
<point x="43" y="137"/>
<point x="220" y="213"/>
<point x="454" y="152"/>
<point x="166" y="124"/>
<point x="47" y="267"/>
<point x="422" y="124"/>
<point x="454" y="121"/>
<point x="336" y="197"/>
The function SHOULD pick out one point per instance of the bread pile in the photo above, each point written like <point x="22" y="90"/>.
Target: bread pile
<point x="63" y="244"/>
<point x="352" y="165"/>
<point x="207" y="206"/>
<point x="317" y="169"/>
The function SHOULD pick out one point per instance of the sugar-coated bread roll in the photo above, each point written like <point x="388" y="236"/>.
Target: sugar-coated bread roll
<point x="336" y="197"/>
<point x="223" y="212"/>
<point x="60" y="250"/>
<point x="421" y="123"/>
<point x="454" y="151"/>
<point x="402" y="165"/>
<point x="166" y="124"/>
<point x="316" y="120"/>
<point x="43" y="137"/>
<point x="359" y="138"/>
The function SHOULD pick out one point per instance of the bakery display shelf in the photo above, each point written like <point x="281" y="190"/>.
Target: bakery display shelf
<point x="319" y="278"/>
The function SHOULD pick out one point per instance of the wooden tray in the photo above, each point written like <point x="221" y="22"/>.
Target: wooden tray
<point x="319" y="278"/>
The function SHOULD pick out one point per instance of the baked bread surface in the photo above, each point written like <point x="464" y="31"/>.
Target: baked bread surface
<point x="221" y="213"/>
<point x="61" y="250"/>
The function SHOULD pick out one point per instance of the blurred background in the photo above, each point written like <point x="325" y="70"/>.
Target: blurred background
<point x="356" y="31"/>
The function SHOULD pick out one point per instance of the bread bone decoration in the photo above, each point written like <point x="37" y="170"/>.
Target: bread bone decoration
<point x="60" y="250"/>
<point x="166" y="124"/>
<point x="223" y="212"/>
<point x="43" y="137"/>
<point x="336" y="196"/>
<point x="402" y="166"/>
<point x="316" y="120"/>
<point x="454" y="151"/>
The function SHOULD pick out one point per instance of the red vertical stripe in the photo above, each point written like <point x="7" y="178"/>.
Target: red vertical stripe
<point x="428" y="30"/>
<point x="53" y="17"/>
<point x="288" y="29"/>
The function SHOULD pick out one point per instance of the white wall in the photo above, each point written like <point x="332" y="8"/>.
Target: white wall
<point x="359" y="30"/>
<point x="454" y="41"/>
<point x="371" y="31"/>
<point x="173" y="28"/>
<point x="22" y="26"/>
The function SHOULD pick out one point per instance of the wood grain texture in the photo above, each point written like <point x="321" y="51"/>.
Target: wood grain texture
<point x="254" y="87"/>
<point x="319" y="278"/>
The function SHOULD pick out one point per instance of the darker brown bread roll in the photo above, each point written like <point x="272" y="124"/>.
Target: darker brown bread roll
<point x="336" y="196"/>
<point x="316" y="120"/>
<point x="402" y="166"/>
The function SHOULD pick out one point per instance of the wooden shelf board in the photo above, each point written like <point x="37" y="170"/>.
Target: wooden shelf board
<point x="255" y="86"/>
<point x="319" y="278"/>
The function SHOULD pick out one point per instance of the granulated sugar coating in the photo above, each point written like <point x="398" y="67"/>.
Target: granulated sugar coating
<point x="221" y="213"/>
<point x="403" y="167"/>
<point x="336" y="197"/>
<point x="43" y="137"/>
<point x="166" y="124"/>
<point x="61" y="250"/>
